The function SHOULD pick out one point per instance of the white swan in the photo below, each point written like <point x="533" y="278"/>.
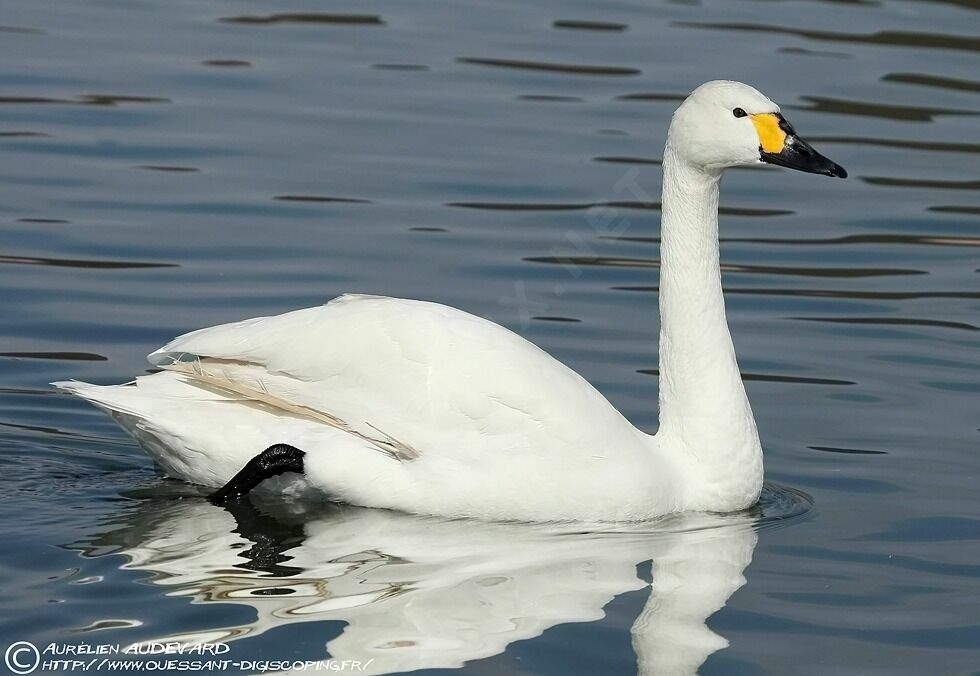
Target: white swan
<point x="420" y="407"/>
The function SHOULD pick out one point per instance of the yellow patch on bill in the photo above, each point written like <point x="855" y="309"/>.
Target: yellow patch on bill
<point x="771" y="137"/>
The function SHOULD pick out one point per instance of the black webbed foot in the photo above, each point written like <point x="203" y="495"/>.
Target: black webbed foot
<point x="273" y="461"/>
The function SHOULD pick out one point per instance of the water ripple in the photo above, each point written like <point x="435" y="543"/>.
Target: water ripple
<point x="652" y="96"/>
<point x="872" y="238"/>
<point x="616" y="262"/>
<point x="890" y="321"/>
<point x="23" y="134"/>
<point x="956" y="209"/>
<point x="23" y="30"/>
<point x="884" y="111"/>
<point x="399" y="66"/>
<point x="813" y="52"/>
<point x="321" y="199"/>
<point x="849" y="294"/>
<point x="83" y="99"/>
<point x="168" y="168"/>
<point x="627" y="159"/>
<point x="554" y="98"/>
<point x="590" y="25"/>
<point x="846" y="451"/>
<point x="78" y="263"/>
<point x="565" y="68"/>
<point x="62" y="356"/>
<point x="933" y="81"/>
<point x="882" y="38"/>
<point x="227" y="63"/>
<point x="932" y="184"/>
<point x="307" y="18"/>
<point x="615" y="204"/>
<point x="773" y="378"/>
<point x="904" y="144"/>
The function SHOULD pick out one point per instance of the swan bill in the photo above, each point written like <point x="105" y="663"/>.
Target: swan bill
<point x="779" y="144"/>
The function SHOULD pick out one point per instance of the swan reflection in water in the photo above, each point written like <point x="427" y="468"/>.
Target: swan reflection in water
<point x="421" y="592"/>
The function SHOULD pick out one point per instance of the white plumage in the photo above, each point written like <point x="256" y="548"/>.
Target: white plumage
<point x="420" y="407"/>
<point x="487" y="412"/>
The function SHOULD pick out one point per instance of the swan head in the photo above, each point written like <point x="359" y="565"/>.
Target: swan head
<point x="725" y="124"/>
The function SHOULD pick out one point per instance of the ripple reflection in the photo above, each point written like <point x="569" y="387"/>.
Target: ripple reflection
<point x="397" y="579"/>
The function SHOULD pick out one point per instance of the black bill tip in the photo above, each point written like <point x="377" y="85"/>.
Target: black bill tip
<point x="800" y="155"/>
<point x="836" y="170"/>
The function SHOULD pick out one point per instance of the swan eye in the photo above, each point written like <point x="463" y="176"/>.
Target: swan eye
<point x="738" y="112"/>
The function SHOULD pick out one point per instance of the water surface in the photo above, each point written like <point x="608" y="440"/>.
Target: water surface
<point x="167" y="166"/>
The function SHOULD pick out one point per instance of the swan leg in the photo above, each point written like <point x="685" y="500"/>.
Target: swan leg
<point x="273" y="461"/>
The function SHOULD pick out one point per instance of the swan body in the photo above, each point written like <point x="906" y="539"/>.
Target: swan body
<point x="420" y="407"/>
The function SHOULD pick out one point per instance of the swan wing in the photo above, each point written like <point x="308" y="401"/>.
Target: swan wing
<point x="415" y="378"/>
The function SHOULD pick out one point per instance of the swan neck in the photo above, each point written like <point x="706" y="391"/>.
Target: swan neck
<point x="703" y="406"/>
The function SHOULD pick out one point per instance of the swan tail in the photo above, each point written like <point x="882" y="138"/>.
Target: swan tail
<point x="205" y="435"/>
<point x="183" y="428"/>
<point x="109" y="398"/>
<point x="140" y="398"/>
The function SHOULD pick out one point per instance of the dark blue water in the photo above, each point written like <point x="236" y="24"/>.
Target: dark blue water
<point x="167" y="166"/>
